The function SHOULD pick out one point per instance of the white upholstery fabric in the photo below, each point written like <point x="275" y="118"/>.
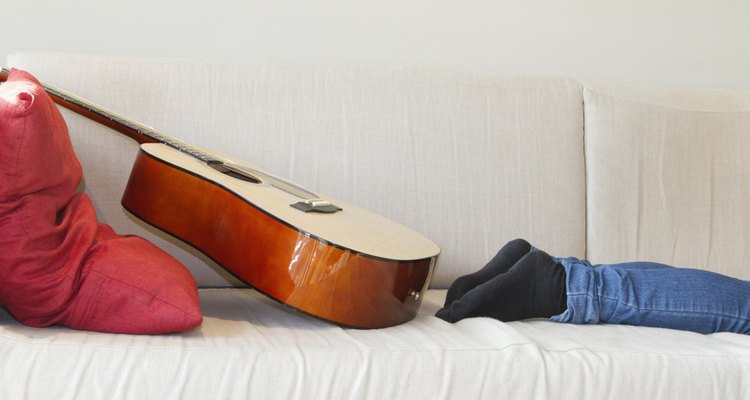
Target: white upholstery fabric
<point x="250" y="347"/>
<point x="668" y="176"/>
<point x="471" y="161"/>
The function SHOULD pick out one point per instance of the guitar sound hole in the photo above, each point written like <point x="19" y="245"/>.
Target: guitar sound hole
<point x="236" y="175"/>
<point x="241" y="177"/>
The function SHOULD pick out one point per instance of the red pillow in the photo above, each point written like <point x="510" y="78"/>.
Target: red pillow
<point x="58" y="265"/>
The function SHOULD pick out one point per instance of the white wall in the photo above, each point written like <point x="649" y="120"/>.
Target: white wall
<point x="684" y="43"/>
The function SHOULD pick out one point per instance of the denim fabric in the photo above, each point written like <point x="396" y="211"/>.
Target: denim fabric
<point x="651" y="294"/>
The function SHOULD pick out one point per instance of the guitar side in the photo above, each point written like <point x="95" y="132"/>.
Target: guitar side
<point x="342" y="267"/>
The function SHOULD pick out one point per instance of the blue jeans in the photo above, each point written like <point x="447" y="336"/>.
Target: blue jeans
<point x="651" y="294"/>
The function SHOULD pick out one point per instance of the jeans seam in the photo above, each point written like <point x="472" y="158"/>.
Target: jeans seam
<point x="672" y="311"/>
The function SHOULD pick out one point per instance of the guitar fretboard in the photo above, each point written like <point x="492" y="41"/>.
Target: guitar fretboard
<point x="78" y="104"/>
<point x="133" y="125"/>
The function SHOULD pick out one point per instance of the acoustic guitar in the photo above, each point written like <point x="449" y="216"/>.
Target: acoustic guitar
<point x="332" y="260"/>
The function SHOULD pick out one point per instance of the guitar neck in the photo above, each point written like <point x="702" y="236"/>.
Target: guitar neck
<point x="145" y="134"/>
<point x="133" y="129"/>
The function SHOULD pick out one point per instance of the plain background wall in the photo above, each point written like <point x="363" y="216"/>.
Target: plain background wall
<point x="676" y="43"/>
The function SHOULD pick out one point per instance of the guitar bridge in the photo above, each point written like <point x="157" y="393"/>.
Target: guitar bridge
<point x="316" y="205"/>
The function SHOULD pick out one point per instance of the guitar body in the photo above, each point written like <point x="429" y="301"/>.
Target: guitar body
<point x="350" y="267"/>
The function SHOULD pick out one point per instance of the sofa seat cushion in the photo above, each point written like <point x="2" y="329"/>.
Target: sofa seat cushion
<point x="252" y="347"/>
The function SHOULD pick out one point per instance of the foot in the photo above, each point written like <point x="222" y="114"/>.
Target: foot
<point x="501" y="263"/>
<point x="533" y="288"/>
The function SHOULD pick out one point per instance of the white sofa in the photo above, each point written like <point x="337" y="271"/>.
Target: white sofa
<point x="469" y="160"/>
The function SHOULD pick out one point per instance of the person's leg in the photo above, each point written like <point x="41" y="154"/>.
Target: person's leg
<point x="650" y="294"/>
<point x="533" y="287"/>
<point x="503" y="260"/>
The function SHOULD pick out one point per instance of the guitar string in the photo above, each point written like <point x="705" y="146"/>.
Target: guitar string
<point x="185" y="148"/>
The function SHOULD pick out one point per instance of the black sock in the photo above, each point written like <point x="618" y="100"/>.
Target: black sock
<point x="501" y="263"/>
<point x="533" y="288"/>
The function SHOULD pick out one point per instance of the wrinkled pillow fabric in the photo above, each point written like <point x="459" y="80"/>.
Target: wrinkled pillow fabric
<point x="58" y="265"/>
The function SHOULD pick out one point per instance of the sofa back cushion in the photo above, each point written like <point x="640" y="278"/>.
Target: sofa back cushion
<point x="668" y="177"/>
<point x="469" y="160"/>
